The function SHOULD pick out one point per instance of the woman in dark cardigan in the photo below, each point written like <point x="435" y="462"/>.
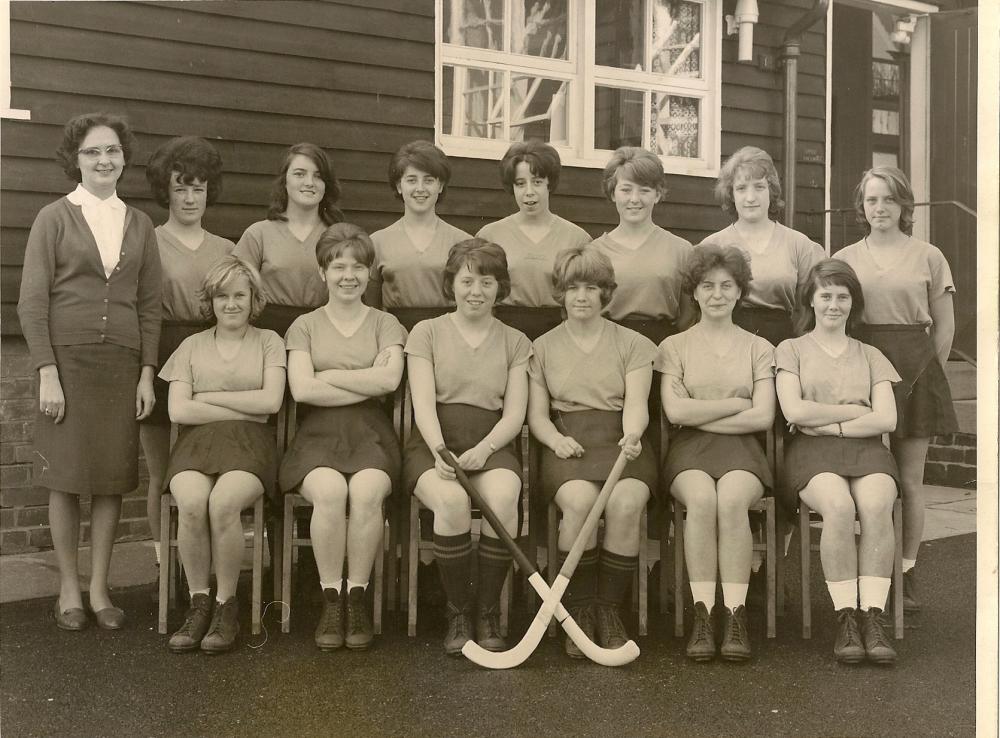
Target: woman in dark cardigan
<point x="90" y="313"/>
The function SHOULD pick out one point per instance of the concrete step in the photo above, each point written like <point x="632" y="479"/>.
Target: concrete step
<point x="962" y="380"/>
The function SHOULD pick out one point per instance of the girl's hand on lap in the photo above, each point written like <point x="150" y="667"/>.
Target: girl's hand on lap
<point x="632" y="446"/>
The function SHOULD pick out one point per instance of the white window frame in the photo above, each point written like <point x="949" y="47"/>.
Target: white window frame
<point x="581" y="71"/>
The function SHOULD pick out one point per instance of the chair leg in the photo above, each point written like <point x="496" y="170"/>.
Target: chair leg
<point x="257" y="572"/>
<point x="643" y="574"/>
<point x="414" y="554"/>
<point x="897" y="568"/>
<point x="287" y="533"/>
<point x="805" y="547"/>
<point x="772" y="565"/>
<point x="166" y="567"/>
<point x="678" y="569"/>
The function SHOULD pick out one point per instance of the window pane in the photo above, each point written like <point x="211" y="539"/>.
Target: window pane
<point x="477" y="23"/>
<point x="538" y="109"/>
<point x="540" y="28"/>
<point x="675" y="122"/>
<point x="620" y="34"/>
<point x="677" y="38"/>
<point x="617" y="118"/>
<point x="472" y="102"/>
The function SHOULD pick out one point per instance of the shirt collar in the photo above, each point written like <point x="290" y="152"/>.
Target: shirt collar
<point x="84" y="198"/>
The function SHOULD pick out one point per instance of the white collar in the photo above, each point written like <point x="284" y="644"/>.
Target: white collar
<point x="84" y="198"/>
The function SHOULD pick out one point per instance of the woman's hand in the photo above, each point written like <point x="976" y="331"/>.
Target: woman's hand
<point x="475" y="458"/>
<point x="567" y="446"/>
<point x="443" y="470"/>
<point x="632" y="446"/>
<point x="144" y="397"/>
<point x="51" y="399"/>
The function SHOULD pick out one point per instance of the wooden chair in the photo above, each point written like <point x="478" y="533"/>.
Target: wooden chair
<point x="295" y="503"/>
<point x="806" y="517"/>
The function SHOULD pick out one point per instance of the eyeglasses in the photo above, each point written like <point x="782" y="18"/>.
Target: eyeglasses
<point x="96" y="151"/>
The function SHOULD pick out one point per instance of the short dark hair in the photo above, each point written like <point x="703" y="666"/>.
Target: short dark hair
<point x="76" y="129"/>
<point x="706" y="257"/>
<point x="641" y="166"/>
<point x="752" y="163"/>
<point x="542" y="160"/>
<point x="900" y="188"/>
<point x="341" y="237"/>
<point x="193" y="159"/>
<point x="422" y="155"/>
<point x="329" y="213"/>
<point x="482" y="257"/>
<point x="584" y="263"/>
<point x="825" y="273"/>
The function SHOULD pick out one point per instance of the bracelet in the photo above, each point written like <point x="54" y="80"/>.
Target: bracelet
<point x="840" y="431"/>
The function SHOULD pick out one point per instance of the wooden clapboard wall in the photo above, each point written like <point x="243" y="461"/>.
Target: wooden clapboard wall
<point x="354" y="76"/>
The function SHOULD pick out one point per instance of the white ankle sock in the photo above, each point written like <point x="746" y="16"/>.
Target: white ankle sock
<point x="874" y="591"/>
<point x="909" y="564"/>
<point x="351" y="584"/>
<point x="844" y="593"/>
<point x="703" y="592"/>
<point x="734" y="594"/>
<point x="199" y="592"/>
<point x="332" y="585"/>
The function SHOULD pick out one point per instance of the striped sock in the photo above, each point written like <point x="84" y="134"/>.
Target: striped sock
<point x="454" y="560"/>
<point x="614" y="575"/>
<point x="583" y="584"/>
<point x="494" y="561"/>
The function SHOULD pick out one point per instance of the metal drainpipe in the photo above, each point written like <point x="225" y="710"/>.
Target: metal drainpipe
<point x="792" y="40"/>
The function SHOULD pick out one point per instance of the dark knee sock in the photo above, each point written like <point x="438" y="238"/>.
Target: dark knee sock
<point x="494" y="562"/>
<point x="454" y="561"/>
<point x="583" y="584"/>
<point x="614" y="574"/>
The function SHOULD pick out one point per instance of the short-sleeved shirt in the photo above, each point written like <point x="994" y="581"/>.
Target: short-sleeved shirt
<point x="412" y="278"/>
<point x="649" y="277"/>
<point x="780" y="270"/>
<point x="843" y="380"/>
<point x="197" y="362"/>
<point x="530" y="262"/>
<point x="287" y="266"/>
<point x="463" y="374"/>
<point x="901" y="292"/>
<point x="589" y="380"/>
<point x="184" y="270"/>
<point x="316" y="334"/>
<point x="708" y="376"/>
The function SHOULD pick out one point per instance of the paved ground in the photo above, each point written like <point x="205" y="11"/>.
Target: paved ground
<point x="125" y="683"/>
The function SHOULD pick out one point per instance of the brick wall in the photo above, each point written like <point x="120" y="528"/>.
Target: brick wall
<point x="24" y="516"/>
<point x="951" y="461"/>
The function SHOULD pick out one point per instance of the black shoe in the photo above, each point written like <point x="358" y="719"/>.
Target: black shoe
<point x="459" y="629"/>
<point x="911" y="606"/>
<point x="701" y="644"/>
<point x="196" y="623"/>
<point x="878" y="647"/>
<point x="735" y="635"/>
<point x="330" y="629"/>
<point x="610" y="628"/>
<point x="488" y="628"/>
<point x="584" y="617"/>
<point x="360" y="631"/>
<point x="225" y="626"/>
<point x="848" y="648"/>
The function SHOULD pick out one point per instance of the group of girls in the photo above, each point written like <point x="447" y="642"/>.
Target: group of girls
<point x="528" y="321"/>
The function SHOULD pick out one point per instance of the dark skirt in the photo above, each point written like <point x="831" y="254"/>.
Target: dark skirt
<point x="532" y="322"/>
<point x="410" y="316"/>
<point x="172" y="334"/>
<point x="769" y="323"/>
<point x="807" y="456"/>
<point x="348" y="439"/>
<point x="95" y="449"/>
<point x="598" y="431"/>
<point x="715" y="454"/>
<point x="923" y="399"/>
<point x="462" y="426"/>
<point x="227" y="445"/>
<point x="279" y="318"/>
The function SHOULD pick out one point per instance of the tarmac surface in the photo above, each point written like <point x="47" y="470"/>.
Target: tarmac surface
<point x="54" y="683"/>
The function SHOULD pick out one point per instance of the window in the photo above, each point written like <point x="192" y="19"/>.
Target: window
<point x="586" y="76"/>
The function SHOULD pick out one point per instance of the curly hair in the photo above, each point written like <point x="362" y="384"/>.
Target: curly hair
<point x="193" y="158"/>
<point x="639" y="165"/>
<point x="749" y="163"/>
<point x="329" y="213"/>
<point x="542" y="161"/>
<point x="341" y="237"/>
<point x="583" y="264"/>
<point x="706" y="257"/>
<point x="422" y="155"/>
<point x="824" y="274"/>
<point x="482" y="257"/>
<point x="900" y="188"/>
<point x="225" y="270"/>
<point x="76" y="129"/>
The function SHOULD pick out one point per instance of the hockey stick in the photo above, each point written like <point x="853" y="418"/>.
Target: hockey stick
<point x="551" y="605"/>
